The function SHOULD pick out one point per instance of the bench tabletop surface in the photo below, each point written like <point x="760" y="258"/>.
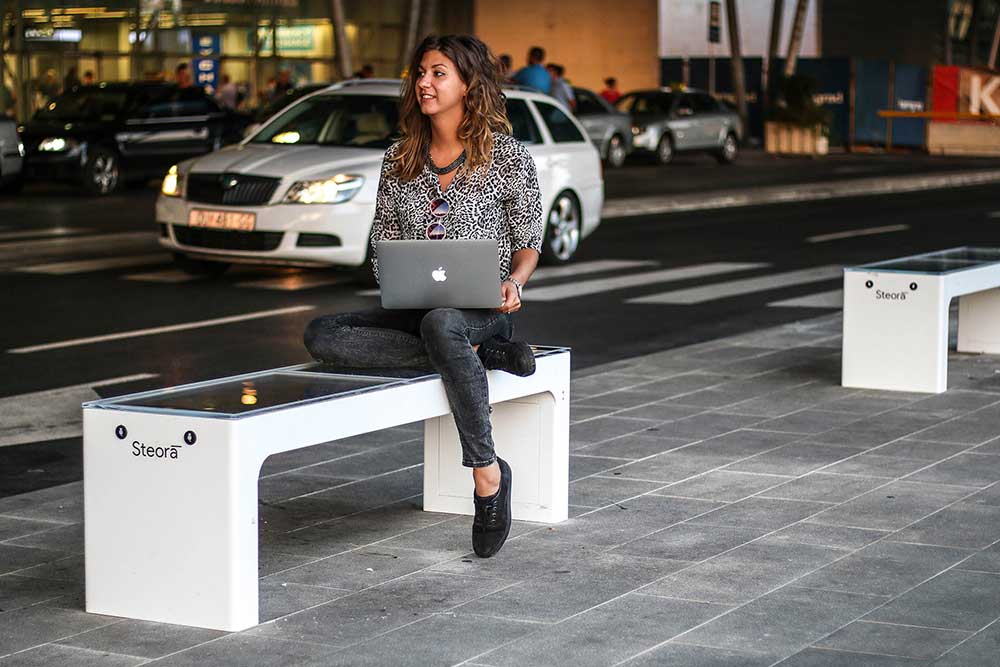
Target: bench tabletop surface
<point x="264" y="391"/>
<point x="938" y="263"/>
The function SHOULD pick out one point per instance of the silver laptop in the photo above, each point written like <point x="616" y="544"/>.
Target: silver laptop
<point x="439" y="274"/>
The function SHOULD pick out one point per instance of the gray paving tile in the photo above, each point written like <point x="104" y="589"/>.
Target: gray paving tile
<point x="966" y="525"/>
<point x="672" y="467"/>
<point x="362" y="568"/>
<point x="725" y="354"/>
<point x="969" y="469"/>
<point x="920" y="449"/>
<point x="142" y="638"/>
<point x="677" y="654"/>
<point x="682" y="383"/>
<point x="447" y="638"/>
<point x="368" y="493"/>
<point x="809" y="421"/>
<point x="32" y="626"/>
<point x="894" y="640"/>
<point x="818" y="657"/>
<point x="783" y="621"/>
<point x="955" y="403"/>
<point x="369" y="463"/>
<point x="12" y="504"/>
<point x="778" y="359"/>
<point x="17" y="592"/>
<point x="689" y="542"/>
<point x="557" y="595"/>
<point x="979" y="649"/>
<point x="864" y="405"/>
<point x="783" y="402"/>
<point x="874" y="464"/>
<point x="54" y="654"/>
<point x="279" y="598"/>
<point x="884" y="568"/>
<point x="988" y="496"/>
<point x="742" y="443"/>
<point x="822" y="487"/>
<point x="634" y="446"/>
<point x="722" y="485"/>
<point x="68" y="569"/>
<point x="795" y="459"/>
<point x="452" y="534"/>
<point x="523" y="557"/>
<point x="11" y="527"/>
<point x="288" y="485"/>
<point x="974" y="428"/>
<point x="250" y="651"/>
<point x="828" y="536"/>
<point x="68" y="509"/>
<point x="989" y="447"/>
<point x="957" y="600"/>
<point x="603" y="382"/>
<point x="765" y="513"/>
<point x="578" y="413"/>
<point x="744" y="573"/>
<point x="601" y="491"/>
<point x="604" y="428"/>
<point x="706" y="425"/>
<point x="306" y="456"/>
<point x="892" y="507"/>
<point x="626" y="521"/>
<point x="65" y="538"/>
<point x="621" y="400"/>
<point x="607" y="634"/>
<point x="987" y="560"/>
<point x="878" y="429"/>
<point x="13" y="559"/>
<point x="270" y="561"/>
<point x="722" y="396"/>
<point x="584" y="466"/>
<point x="361" y="616"/>
<point x="660" y="412"/>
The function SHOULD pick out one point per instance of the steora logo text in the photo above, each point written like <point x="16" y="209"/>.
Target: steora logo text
<point x="155" y="452"/>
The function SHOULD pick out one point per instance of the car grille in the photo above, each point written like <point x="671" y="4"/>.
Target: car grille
<point x="227" y="240"/>
<point x="231" y="189"/>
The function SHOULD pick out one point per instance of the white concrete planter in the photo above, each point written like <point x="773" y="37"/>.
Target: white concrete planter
<point x="790" y="139"/>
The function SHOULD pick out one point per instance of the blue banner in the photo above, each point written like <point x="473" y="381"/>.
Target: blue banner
<point x="206" y="74"/>
<point x="909" y="92"/>
<point x="206" y="44"/>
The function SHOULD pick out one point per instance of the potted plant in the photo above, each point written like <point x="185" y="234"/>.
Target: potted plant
<point x="797" y="125"/>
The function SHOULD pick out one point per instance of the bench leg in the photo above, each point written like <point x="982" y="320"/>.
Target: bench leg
<point x="531" y="433"/>
<point x="979" y="322"/>
<point x="895" y="337"/>
<point x="168" y="539"/>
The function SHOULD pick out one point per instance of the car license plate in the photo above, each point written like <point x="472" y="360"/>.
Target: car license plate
<point x="235" y="220"/>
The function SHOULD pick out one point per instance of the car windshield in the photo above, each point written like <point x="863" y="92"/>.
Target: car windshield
<point x="646" y="103"/>
<point x="366" y="121"/>
<point x="85" y="103"/>
<point x="283" y="100"/>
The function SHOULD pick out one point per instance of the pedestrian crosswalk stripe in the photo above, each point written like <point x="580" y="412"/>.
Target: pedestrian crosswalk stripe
<point x="732" y="288"/>
<point x="599" y="285"/>
<point x="76" y="243"/>
<point x="39" y="233"/>
<point x="101" y="264"/>
<point x="831" y="299"/>
<point x="851" y="233"/>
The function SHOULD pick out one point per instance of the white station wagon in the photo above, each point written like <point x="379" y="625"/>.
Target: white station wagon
<point x="301" y="190"/>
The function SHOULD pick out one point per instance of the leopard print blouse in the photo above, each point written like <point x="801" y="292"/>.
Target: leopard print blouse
<point x="499" y="200"/>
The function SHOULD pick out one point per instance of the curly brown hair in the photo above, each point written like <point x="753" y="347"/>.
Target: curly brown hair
<point x="485" y="105"/>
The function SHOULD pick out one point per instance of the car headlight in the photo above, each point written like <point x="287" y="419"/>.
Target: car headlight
<point x="172" y="183"/>
<point x="56" y="145"/>
<point x="637" y="130"/>
<point x="336" y="190"/>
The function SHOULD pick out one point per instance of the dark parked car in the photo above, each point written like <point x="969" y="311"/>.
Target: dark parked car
<point x="11" y="157"/>
<point x="103" y="135"/>
<point x="609" y="128"/>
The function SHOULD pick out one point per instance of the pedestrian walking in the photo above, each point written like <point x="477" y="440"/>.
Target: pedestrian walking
<point x="611" y="92"/>
<point x="71" y="80"/>
<point x="88" y="78"/>
<point x="534" y="74"/>
<point x="561" y="90"/>
<point x="227" y="94"/>
<point x="452" y="113"/>
<point x="506" y="66"/>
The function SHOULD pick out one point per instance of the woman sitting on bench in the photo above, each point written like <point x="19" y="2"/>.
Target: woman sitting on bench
<point x="453" y="113"/>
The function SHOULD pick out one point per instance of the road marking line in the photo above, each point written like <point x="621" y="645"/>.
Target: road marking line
<point x="599" y="285"/>
<point x="87" y="265"/>
<point x="297" y="281"/>
<point x="831" y="299"/>
<point x="158" y="330"/>
<point x="851" y="233"/>
<point x="76" y="242"/>
<point x="51" y="414"/>
<point x="575" y="269"/>
<point x="49" y="231"/>
<point x="163" y="276"/>
<point x="716" y="291"/>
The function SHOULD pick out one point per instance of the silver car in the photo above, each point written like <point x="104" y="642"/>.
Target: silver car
<point x="11" y="157"/>
<point x="609" y="128"/>
<point x="670" y="121"/>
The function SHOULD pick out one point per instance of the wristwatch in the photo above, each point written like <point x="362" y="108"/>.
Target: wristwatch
<point x="519" y="286"/>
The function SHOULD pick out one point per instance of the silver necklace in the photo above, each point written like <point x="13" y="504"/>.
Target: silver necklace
<point x="441" y="171"/>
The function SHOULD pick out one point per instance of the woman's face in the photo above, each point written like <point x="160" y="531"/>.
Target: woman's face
<point x="439" y="87"/>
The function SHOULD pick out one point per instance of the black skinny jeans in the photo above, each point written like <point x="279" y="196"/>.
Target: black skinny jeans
<point x="441" y="339"/>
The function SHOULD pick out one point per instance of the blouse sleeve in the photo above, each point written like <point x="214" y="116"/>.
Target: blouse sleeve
<point x="524" y="202"/>
<point x="385" y="226"/>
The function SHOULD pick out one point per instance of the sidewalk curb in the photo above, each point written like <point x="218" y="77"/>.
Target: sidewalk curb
<point x="803" y="192"/>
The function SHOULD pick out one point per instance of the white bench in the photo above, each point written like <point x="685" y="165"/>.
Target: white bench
<point x="170" y="476"/>
<point x="896" y="317"/>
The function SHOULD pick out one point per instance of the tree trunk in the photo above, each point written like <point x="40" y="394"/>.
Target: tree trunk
<point x="777" y="11"/>
<point x="996" y="43"/>
<point x="739" y="87"/>
<point x="412" y="25"/>
<point x="343" y="47"/>
<point x="795" y="41"/>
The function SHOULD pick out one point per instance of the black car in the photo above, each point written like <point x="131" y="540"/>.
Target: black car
<point x="104" y="135"/>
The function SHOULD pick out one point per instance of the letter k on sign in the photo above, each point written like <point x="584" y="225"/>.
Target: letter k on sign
<point x="983" y="95"/>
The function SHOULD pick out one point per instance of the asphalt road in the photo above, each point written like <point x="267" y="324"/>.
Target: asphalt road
<point x="623" y="297"/>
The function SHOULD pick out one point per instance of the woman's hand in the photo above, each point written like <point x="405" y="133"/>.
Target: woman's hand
<point x="511" y="301"/>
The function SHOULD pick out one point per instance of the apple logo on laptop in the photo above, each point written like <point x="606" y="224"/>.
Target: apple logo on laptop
<point x="439" y="275"/>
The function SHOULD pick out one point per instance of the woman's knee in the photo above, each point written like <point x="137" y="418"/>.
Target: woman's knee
<point x="442" y="322"/>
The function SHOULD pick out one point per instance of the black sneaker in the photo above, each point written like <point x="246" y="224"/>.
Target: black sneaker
<point x="504" y="355"/>
<point x="491" y="525"/>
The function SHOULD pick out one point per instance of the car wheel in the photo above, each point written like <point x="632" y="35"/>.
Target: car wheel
<point x="665" y="150"/>
<point x="199" y="267"/>
<point x="102" y="173"/>
<point x="616" y="152"/>
<point x="729" y="149"/>
<point x="562" y="231"/>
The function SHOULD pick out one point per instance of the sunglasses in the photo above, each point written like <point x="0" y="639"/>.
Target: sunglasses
<point x="439" y="208"/>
